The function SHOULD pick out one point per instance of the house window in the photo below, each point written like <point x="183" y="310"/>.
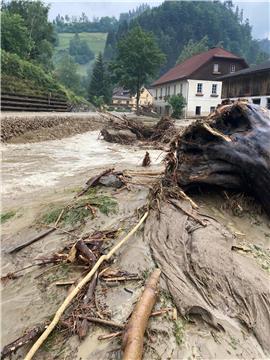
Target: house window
<point x="214" y="89"/>
<point x="199" y="88"/>
<point x="198" y="110"/>
<point x="174" y="90"/>
<point x="256" y="101"/>
<point x="232" y="68"/>
<point x="161" y="92"/>
<point x="127" y="102"/>
<point x="181" y="89"/>
<point x="212" y="109"/>
<point x="169" y="90"/>
<point x="268" y="103"/>
<point x="215" y="70"/>
<point x="156" y="93"/>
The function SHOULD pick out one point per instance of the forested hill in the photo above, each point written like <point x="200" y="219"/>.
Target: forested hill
<point x="175" y="23"/>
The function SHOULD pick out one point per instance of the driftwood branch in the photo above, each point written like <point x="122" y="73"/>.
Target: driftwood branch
<point x="93" y="181"/>
<point x="134" y="334"/>
<point x="77" y="289"/>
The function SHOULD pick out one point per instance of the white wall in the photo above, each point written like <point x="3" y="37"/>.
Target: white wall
<point x="206" y="101"/>
<point x="188" y="88"/>
<point x="180" y="87"/>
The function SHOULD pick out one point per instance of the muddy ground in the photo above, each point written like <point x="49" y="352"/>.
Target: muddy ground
<point x="38" y="177"/>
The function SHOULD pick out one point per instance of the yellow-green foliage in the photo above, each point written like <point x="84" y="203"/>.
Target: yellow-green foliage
<point x="27" y="75"/>
<point x="95" y="41"/>
<point x="6" y="216"/>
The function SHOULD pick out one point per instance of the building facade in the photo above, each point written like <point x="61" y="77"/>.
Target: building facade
<point x="122" y="98"/>
<point x="252" y="84"/>
<point x="197" y="79"/>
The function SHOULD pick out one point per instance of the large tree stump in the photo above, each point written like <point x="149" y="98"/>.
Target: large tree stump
<point x="230" y="149"/>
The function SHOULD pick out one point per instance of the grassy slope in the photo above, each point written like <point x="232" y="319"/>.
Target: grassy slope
<point x="96" y="42"/>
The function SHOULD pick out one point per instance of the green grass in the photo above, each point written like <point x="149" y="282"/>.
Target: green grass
<point x="78" y="212"/>
<point x="6" y="216"/>
<point x="96" y="42"/>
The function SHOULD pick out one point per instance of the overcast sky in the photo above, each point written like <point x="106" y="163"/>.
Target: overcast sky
<point x="258" y="12"/>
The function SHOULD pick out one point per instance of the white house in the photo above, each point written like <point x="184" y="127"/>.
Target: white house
<point x="197" y="80"/>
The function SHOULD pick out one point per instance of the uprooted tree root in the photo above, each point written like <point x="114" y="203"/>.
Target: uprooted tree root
<point x="203" y="274"/>
<point x="230" y="149"/>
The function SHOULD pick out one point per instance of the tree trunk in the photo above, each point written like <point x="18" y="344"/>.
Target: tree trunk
<point x="230" y="149"/>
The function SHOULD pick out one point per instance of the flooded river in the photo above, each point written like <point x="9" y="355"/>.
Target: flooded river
<point x="29" y="167"/>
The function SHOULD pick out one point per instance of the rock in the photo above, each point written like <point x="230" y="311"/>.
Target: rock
<point x="111" y="180"/>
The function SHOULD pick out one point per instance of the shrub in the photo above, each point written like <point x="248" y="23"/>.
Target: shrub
<point x="178" y="104"/>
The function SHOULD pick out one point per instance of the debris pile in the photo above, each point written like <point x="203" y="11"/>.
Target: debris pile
<point x="127" y="131"/>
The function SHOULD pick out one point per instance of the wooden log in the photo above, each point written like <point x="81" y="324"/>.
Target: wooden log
<point x="85" y="251"/>
<point x="93" y="181"/>
<point x="134" y="333"/>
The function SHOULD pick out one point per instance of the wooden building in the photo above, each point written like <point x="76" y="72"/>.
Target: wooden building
<point x="252" y="84"/>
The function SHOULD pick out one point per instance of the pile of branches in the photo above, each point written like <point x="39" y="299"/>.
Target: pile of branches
<point x="126" y="131"/>
<point x="230" y="149"/>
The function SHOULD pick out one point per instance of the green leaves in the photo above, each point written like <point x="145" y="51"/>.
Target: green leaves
<point x="15" y="35"/>
<point x="99" y="87"/>
<point x="138" y="58"/>
<point x="193" y="48"/>
<point x="177" y="103"/>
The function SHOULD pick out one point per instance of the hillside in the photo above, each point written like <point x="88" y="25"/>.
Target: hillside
<point x="96" y="42"/>
<point x="174" y="24"/>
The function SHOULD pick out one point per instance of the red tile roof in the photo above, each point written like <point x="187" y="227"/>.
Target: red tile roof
<point x="190" y="65"/>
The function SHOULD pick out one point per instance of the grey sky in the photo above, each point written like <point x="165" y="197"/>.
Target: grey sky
<point x="258" y="12"/>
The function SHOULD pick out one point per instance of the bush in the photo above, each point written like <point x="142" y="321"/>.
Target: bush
<point x="17" y="68"/>
<point x="178" y="104"/>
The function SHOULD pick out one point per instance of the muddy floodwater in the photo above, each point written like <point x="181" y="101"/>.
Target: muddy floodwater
<point x="29" y="167"/>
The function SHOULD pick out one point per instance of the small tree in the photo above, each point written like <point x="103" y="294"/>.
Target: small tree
<point x="100" y="83"/>
<point x="67" y="74"/>
<point x="193" y="48"/>
<point x="178" y="104"/>
<point x="138" y="59"/>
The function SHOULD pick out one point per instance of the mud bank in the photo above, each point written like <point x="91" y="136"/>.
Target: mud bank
<point x="34" y="127"/>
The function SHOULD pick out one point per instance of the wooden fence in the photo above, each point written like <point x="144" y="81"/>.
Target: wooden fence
<point x="16" y="102"/>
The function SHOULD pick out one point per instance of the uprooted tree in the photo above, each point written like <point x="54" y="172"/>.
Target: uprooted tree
<point x="230" y="149"/>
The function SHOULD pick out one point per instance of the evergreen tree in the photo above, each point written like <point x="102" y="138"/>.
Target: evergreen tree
<point x="193" y="48"/>
<point x="100" y="83"/>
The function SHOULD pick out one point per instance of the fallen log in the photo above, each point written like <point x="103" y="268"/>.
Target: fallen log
<point x="230" y="149"/>
<point x="82" y="248"/>
<point x="33" y="240"/>
<point x="134" y="333"/>
<point x="21" y="341"/>
<point x="93" y="181"/>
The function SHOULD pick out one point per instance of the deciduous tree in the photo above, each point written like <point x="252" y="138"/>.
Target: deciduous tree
<point x="138" y="58"/>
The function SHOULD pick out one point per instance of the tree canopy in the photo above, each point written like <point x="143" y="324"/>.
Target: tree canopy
<point x="193" y="48"/>
<point x="80" y="50"/>
<point x="138" y="58"/>
<point x="15" y="35"/>
<point x="175" y="23"/>
<point x="40" y="33"/>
